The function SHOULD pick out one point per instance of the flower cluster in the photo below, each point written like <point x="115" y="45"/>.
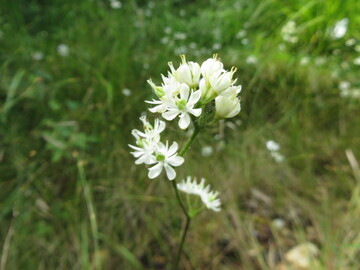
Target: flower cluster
<point x="150" y="151"/>
<point x="208" y="197"/>
<point x="186" y="91"/>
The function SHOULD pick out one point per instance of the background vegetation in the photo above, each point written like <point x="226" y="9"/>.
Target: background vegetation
<point x="71" y="196"/>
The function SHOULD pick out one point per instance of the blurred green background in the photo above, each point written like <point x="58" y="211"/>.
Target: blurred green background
<point x="73" y="84"/>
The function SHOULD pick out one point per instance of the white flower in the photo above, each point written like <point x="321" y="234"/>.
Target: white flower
<point x="144" y="153"/>
<point x="221" y="80"/>
<point x="278" y="157"/>
<point x="344" y="85"/>
<point x="165" y="157"/>
<point x="147" y="141"/>
<point x="272" y="146"/>
<point x="63" y="50"/>
<point x="207" y="151"/>
<point x="304" y="60"/>
<point x="37" y="56"/>
<point x="115" y="4"/>
<point x="357" y="61"/>
<point x="226" y="107"/>
<point x="240" y="34"/>
<point x="208" y="197"/>
<point x="188" y="72"/>
<point x="251" y="59"/>
<point x="340" y="28"/>
<point x="183" y="106"/>
<point x="210" y="66"/>
<point x="126" y="92"/>
<point x="350" y="42"/>
<point x="288" y="32"/>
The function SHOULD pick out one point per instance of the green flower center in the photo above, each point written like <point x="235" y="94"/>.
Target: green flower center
<point x="160" y="157"/>
<point x="181" y="104"/>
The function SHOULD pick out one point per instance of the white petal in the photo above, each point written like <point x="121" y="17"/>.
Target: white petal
<point x="161" y="127"/>
<point x="170" y="172"/>
<point x="194" y="98"/>
<point x="155" y="171"/>
<point x="184" y="92"/>
<point x="195" y="112"/>
<point x="172" y="150"/>
<point x="184" y="121"/>
<point x="175" y="161"/>
<point x="170" y="115"/>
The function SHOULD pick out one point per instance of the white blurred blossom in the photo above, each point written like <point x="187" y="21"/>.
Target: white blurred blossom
<point x="38" y="56"/>
<point x="288" y="32"/>
<point x="304" y="60"/>
<point x="340" y="28"/>
<point x="350" y="42"/>
<point x="357" y="61"/>
<point x="126" y="92"/>
<point x="63" y="50"/>
<point x="207" y="151"/>
<point x="115" y="4"/>
<point x="252" y="59"/>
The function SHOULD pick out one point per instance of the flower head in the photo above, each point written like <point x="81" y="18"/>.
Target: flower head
<point x="188" y="72"/>
<point x="210" y="66"/>
<point x="208" y="197"/>
<point x="165" y="157"/>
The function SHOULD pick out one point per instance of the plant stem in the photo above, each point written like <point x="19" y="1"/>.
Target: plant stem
<point x="190" y="140"/>
<point x="178" y="256"/>
<point x="188" y="217"/>
<point x="179" y="199"/>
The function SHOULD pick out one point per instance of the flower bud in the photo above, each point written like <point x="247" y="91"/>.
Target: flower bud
<point x="210" y="66"/>
<point x="157" y="89"/>
<point x="188" y="72"/>
<point x="221" y="80"/>
<point x="226" y="107"/>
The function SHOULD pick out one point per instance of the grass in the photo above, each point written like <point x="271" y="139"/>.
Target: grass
<point x="60" y="111"/>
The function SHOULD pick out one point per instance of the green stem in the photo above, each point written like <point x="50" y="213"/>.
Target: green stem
<point x="188" y="217"/>
<point x="179" y="199"/>
<point x="190" y="140"/>
<point x="178" y="256"/>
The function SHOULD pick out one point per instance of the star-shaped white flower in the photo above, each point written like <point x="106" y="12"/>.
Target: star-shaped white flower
<point x="166" y="158"/>
<point x="183" y="106"/>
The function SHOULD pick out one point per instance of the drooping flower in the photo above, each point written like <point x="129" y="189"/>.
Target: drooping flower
<point x="208" y="197"/>
<point x="165" y="158"/>
<point x="226" y="107"/>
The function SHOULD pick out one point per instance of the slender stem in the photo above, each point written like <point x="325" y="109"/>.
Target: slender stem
<point x="188" y="217"/>
<point x="178" y="256"/>
<point x="190" y="140"/>
<point x="179" y="199"/>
